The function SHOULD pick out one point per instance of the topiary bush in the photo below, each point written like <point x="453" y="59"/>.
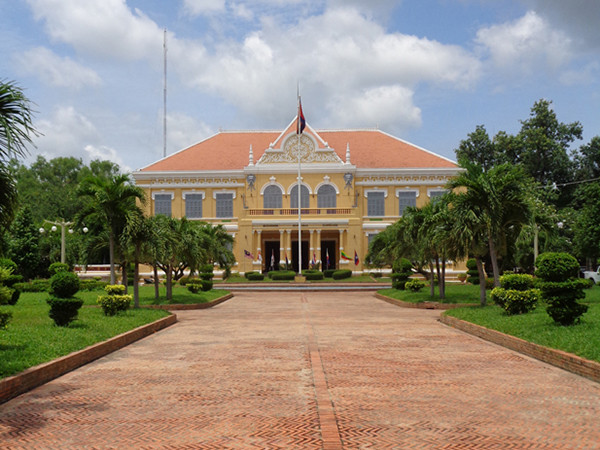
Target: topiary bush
<point x="313" y="275"/>
<point x="114" y="303"/>
<point x="402" y="270"/>
<point x="328" y="273"/>
<point x="518" y="282"/>
<point x="64" y="310"/>
<point x="414" y="285"/>
<point x="255" y="276"/>
<point x="58" y="267"/>
<point x="248" y="274"/>
<point x="5" y="317"/>
<point x="342" y="274"/>
<point x="64" y="284"/>
<point x="282" y="275"/>
<point x="207" y="285"/>
<point x="516" y="294"/>
<point x="472" y="272"/>
<point x="194" y="286"/>
<point x="560" y="288"/>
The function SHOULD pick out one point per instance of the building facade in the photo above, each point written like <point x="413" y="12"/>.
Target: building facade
<point x="353" y="184"/>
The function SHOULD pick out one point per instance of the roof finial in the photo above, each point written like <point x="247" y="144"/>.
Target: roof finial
<point x="251" y="157"/>
<point x="348" y="153"/>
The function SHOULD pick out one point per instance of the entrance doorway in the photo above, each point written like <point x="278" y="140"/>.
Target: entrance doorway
<point x="305" y="257"/>
<point x="271" y="256"/>
<point x="328" y="248"/>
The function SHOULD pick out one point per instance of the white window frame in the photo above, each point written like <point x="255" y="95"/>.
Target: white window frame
<point x="224" y="191"/>
<point x="171" y="194"/>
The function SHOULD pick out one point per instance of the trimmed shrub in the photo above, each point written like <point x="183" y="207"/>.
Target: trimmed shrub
<point x="8" y="264"/>
<point x="518" y="282"/>
<point x="207" y="268"/>
<point x="207" y="285"/>
<point x="194" y="286"/>
<point x="92" y="285"/>
<point x="402" y="265"/>
<point x="514" y="301"/>
<point x="58" y="267"/>
<point x="556" y="266"/>
<point x="286" y="275"/>
<point x="64" y="284"/>
<point x="207" y="276"/>
<point x="313" y="275"/>
<point x="414" y="285"/>
<point x="114" y="289"/>
<point x="328" y="273"/>
<point x="248" y="274"/>
<point x="63" y="311"/>
<point x="5" y="317"/>
<point x="342" y="274"/>
<point x="114" y="303"/>
<point x="376" y="274"/>
<point x="560" y="289"/>
<point x="402" y="270"/>
<point x="472" y="272"/>
<point x="183" y="281"/>
<point x="255" y="276"/>
<point x="5" y="295"/>
<point x="489" y="283"/>
<point x="37" y="285"/>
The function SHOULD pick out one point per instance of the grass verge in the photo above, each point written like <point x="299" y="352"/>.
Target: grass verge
<point x="455" y="293"/>
<point x="582" y="339"/>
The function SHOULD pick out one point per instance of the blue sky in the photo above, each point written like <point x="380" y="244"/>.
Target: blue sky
<point x="427" y="71"/>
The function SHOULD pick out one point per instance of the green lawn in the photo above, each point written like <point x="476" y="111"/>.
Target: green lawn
<point x="31" y="337"/>
<point x="455" y="293"/>
<point x="582" y="339"/>
<point x="233" y="279"/>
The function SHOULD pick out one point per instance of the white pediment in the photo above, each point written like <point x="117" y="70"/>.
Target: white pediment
<point x="306" y="146"/>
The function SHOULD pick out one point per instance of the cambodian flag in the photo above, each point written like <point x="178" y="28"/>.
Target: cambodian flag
<point x="301" y="121"/>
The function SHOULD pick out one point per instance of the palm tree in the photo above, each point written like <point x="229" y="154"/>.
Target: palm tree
<point x="217" y="244"/>
<point x="500" y="199"/>
<point x="107" y="201"/>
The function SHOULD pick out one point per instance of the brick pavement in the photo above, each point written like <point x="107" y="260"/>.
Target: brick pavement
<point x="308" y="370"/>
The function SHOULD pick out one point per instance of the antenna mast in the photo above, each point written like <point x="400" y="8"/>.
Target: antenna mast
<point x="165" y="95"/>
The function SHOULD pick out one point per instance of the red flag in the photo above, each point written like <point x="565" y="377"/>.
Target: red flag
<point x="301" y="121"/>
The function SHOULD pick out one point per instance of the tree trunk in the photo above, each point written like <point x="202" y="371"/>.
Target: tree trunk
<point x="136" y="277"/>
<point x="482" y="298"/>
<point x="156" y="282"/>
<point x="169" y="282"/>
<point x="124" y="275"/>
<point x="111" y="257"/>
<point x="494" y="258"/>
<point x="442" y="280"/>
<point x="431" y="280"/>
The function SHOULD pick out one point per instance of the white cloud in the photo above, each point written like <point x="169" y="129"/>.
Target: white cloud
<point x="526" y="44"/>
<point x="102" y="28"/>
<point x="55" y="70"/>
<point x="581" y="75"/>
<point x="183" y="131"/>
<point x="199" y="7"/>
<point x="105" y="153"/>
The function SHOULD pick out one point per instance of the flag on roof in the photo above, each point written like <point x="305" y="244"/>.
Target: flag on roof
<point x="301" y="121"/>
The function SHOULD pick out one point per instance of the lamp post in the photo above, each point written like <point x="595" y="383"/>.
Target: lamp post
<point x="62" y="224"/>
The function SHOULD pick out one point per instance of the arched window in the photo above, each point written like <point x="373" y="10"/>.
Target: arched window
<point x="326" y="197"/>
<point x="303" y="197"/>
<point x="272" y="197"/>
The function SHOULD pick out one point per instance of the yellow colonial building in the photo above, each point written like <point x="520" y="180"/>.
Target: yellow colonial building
<point x="354" y="184"/>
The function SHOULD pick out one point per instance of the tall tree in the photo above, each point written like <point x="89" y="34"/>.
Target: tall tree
<point x="501" y="200"/>
<point x="478" y="149"/>
<point x="24" y="244"/>
<point x="107" y="201"/>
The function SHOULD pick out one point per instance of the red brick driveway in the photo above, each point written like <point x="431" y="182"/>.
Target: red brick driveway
<point x="308" y="370"/>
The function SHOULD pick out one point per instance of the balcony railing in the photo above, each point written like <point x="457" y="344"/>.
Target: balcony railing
<point x="305" y="211"/>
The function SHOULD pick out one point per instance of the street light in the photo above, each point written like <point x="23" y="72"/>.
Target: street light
<point x="62" y="224"/>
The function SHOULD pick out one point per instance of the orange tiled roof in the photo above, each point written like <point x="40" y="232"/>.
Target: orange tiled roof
<point x="371" y="149"/>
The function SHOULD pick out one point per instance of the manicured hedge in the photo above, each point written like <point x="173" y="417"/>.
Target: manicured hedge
<point x="279" y="275"/>
<point x="255" y="276"/>
<point x="328" y="273"/>
<point x="341" y="274"/>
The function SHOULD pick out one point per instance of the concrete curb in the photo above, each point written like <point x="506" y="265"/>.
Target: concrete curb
<point x="184" y="307"/>
<point x="36" y="376"/>
<point x="423" y="305"/>
<point x="567" y="361"/>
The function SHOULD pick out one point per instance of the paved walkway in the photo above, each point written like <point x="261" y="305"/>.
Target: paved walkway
<point x="308" y="370"/>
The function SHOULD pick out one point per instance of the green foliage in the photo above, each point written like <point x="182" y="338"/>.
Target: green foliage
<point x="185" y="280"/>
<point x="8" y="264"/>
<point x="114" y="289"/>
<point x="342" y="274"/>
<point x="517" y="282"/>
<point x="515" y="301"/>
<point x="114" y="303"/>
<point x="560" y="289"/>
<point x="247" y="275"/>
<point x="91" y="285"/>
<point x="14" y="297"/>
<point x="5" y="317"/>
<point x="207" y="268"/>
<point x="63" y="311"/>
<point x="5" y="295"/>
<point x="206" y="276"/>
<point x="472" y="264"/>
<point x="58" y="267"/>
<point x="376" y="274"/>
<point x="207" y="285"/>
<point x="12" y="279"/>
<point x="37" y="285"/>
<point x="194" y="286"/>
<point x="255" y="276"/>
<point x="282" y="275"/>
<point x="64" y="284"/>
<point x="414" y="285"/>
<point x="313" y="275"/>
<point x="24" y="244"/>
<point x="328" y="273"/>
<point x="402" y="265"/>
<point x="556" y="266"/>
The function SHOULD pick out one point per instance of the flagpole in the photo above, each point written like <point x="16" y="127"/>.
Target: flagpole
<point x="298" y="131"/>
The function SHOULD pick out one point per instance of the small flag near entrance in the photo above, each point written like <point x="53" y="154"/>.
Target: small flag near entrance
<point x="314" y="261"/>
<point x="272" y="259"/>
<point x="247" y="254"/>
<point x="355" y="258"/>
<point x="327" y="256"/>
<point x="286" y="261"/>
<point x="259" y="257"/>
<point x="345" y="257"/>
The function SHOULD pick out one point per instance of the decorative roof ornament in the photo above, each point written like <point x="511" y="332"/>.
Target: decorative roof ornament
<point x="348" y="153"/>
<point x="348" y="177"/>
<point x="250" y="156"/>
<point x="250" y="179"/>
